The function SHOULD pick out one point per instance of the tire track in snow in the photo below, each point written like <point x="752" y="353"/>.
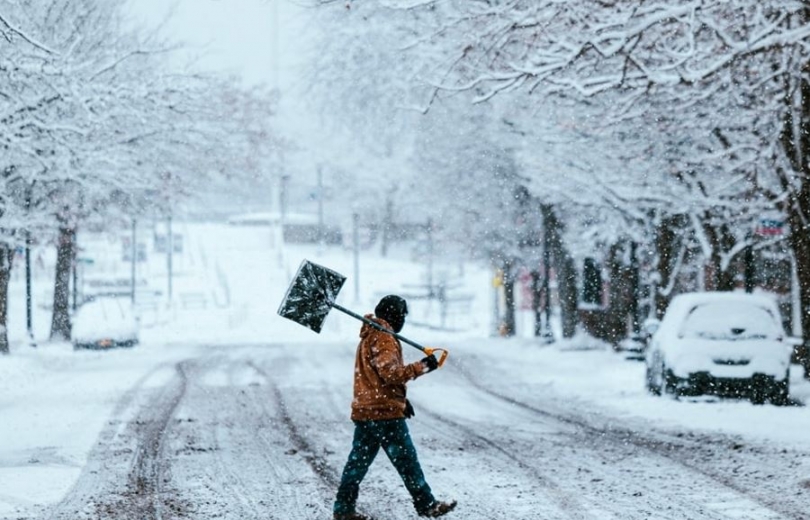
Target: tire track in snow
<point x="565" y="503"/>
<point x="558" y="462"/>
<point x="234" y="452"/>
<point x="150" y="468"/>
<point x="107" y="472"/>
<point x="732" y="500"/>
<point x="320" y="466"/>
<point x="200" y="440"/>
<point x="271" y="416"/>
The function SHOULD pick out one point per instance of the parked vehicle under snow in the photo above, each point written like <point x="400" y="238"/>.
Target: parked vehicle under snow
<point x="729" y="344"/>
<point x="105" y="323"/>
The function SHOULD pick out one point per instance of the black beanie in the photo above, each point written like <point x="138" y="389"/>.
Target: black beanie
<point x="392" y="309"/>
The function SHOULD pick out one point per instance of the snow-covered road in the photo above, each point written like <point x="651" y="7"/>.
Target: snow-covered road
<point x="263" y="431"/>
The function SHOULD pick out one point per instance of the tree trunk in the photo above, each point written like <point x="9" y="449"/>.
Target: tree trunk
<point x="537" y="294"/>
<point x="565" y="269"/>
<point x="668" y="246"/>
<point x="749" y="269"/>
<point x="6" y="256"/>
<point x="619" y="295"/>
<point x="508" y="325"/>
<point x="795" y="139"/>
<point x="65" y="252"/>
<point x="635" y="289"/>
<point x="567" y="288"/>
<point x="720" y="240"/>
<point x="591" y="283"/>
<point x="800" y="243"/>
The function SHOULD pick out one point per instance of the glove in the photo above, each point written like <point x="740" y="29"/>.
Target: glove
<point x="409" y="412"/>
<point x="430" y="363"/>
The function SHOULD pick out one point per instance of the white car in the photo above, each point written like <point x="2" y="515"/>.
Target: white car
<point x="724" y="343"/>
<point x="105" y="323"/>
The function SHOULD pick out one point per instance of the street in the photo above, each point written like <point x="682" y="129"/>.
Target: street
<point x="263" y="431"/>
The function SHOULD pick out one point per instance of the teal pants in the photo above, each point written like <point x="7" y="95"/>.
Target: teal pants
<point x="393" y="437"/>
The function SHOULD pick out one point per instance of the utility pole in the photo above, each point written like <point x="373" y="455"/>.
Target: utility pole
<point x="356" y="243"/>
<point x="431" y="292"/>
<point x="285" y="181"/>
<point x="134" y="259"/>
<point x="169" y="236"/>
<point x="75" y="281"/>
<point x="28" y="298"/>
<point x="28" y="309"/>
<point x="321" y="231"/>
<point x="169" y="251"/>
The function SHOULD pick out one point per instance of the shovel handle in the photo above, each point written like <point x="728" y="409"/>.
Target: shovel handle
<point x="427" y="350"/>
<point x="442" y="357"/>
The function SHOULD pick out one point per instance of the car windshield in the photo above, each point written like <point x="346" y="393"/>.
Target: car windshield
<point x="730" y="320"/>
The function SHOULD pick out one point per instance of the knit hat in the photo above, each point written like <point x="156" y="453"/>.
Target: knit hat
<point x="392" y="309"/>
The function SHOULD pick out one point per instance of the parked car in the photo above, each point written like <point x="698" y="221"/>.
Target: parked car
<point x="727" y="343"/>
<point x="105" y="323"/>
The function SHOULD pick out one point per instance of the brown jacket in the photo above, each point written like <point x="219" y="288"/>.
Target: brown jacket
<point x="380" y="375"/>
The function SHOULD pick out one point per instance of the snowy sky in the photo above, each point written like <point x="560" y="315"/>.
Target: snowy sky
<point x="239" y="36"/>
<point x="263" y="42"/>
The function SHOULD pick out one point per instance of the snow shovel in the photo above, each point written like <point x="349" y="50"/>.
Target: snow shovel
<point x="312" y="295"/>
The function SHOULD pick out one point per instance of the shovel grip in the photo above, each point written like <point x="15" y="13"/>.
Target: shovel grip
<point x="442" y="357"/>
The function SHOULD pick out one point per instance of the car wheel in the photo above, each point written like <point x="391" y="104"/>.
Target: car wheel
<point x="760" y="390"/>
<point x="780" y="391"/>
<point x="652" y="385"/>
<point x="670" y="381"/>
<point x="757" y="395"/>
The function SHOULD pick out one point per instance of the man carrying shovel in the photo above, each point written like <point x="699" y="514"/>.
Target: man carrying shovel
<point x="379" y="410"/>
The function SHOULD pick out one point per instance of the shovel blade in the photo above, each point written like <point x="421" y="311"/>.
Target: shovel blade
<point x="310" y="295"/>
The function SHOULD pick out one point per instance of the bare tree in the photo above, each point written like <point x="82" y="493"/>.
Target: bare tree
<point x="96" y="117"/>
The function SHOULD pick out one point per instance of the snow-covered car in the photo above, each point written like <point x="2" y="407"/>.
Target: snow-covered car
<point x="724" y="343"/>
<point x="105" y="323"/>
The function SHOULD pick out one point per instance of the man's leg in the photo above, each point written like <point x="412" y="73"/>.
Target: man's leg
<point x="397" y="443"/>
<point x="365" y="447"/>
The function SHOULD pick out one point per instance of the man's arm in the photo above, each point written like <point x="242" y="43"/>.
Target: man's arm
<point x="388" y="365"/>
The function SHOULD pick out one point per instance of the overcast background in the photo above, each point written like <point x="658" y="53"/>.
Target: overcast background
<point x="261" y="42"/>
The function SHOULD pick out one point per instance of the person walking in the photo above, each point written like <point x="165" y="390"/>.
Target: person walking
<point x="379" y="410"/>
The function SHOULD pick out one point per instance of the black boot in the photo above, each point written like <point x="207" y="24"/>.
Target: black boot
<point x="351" y="516"/>
<point x="438" y="509"/>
